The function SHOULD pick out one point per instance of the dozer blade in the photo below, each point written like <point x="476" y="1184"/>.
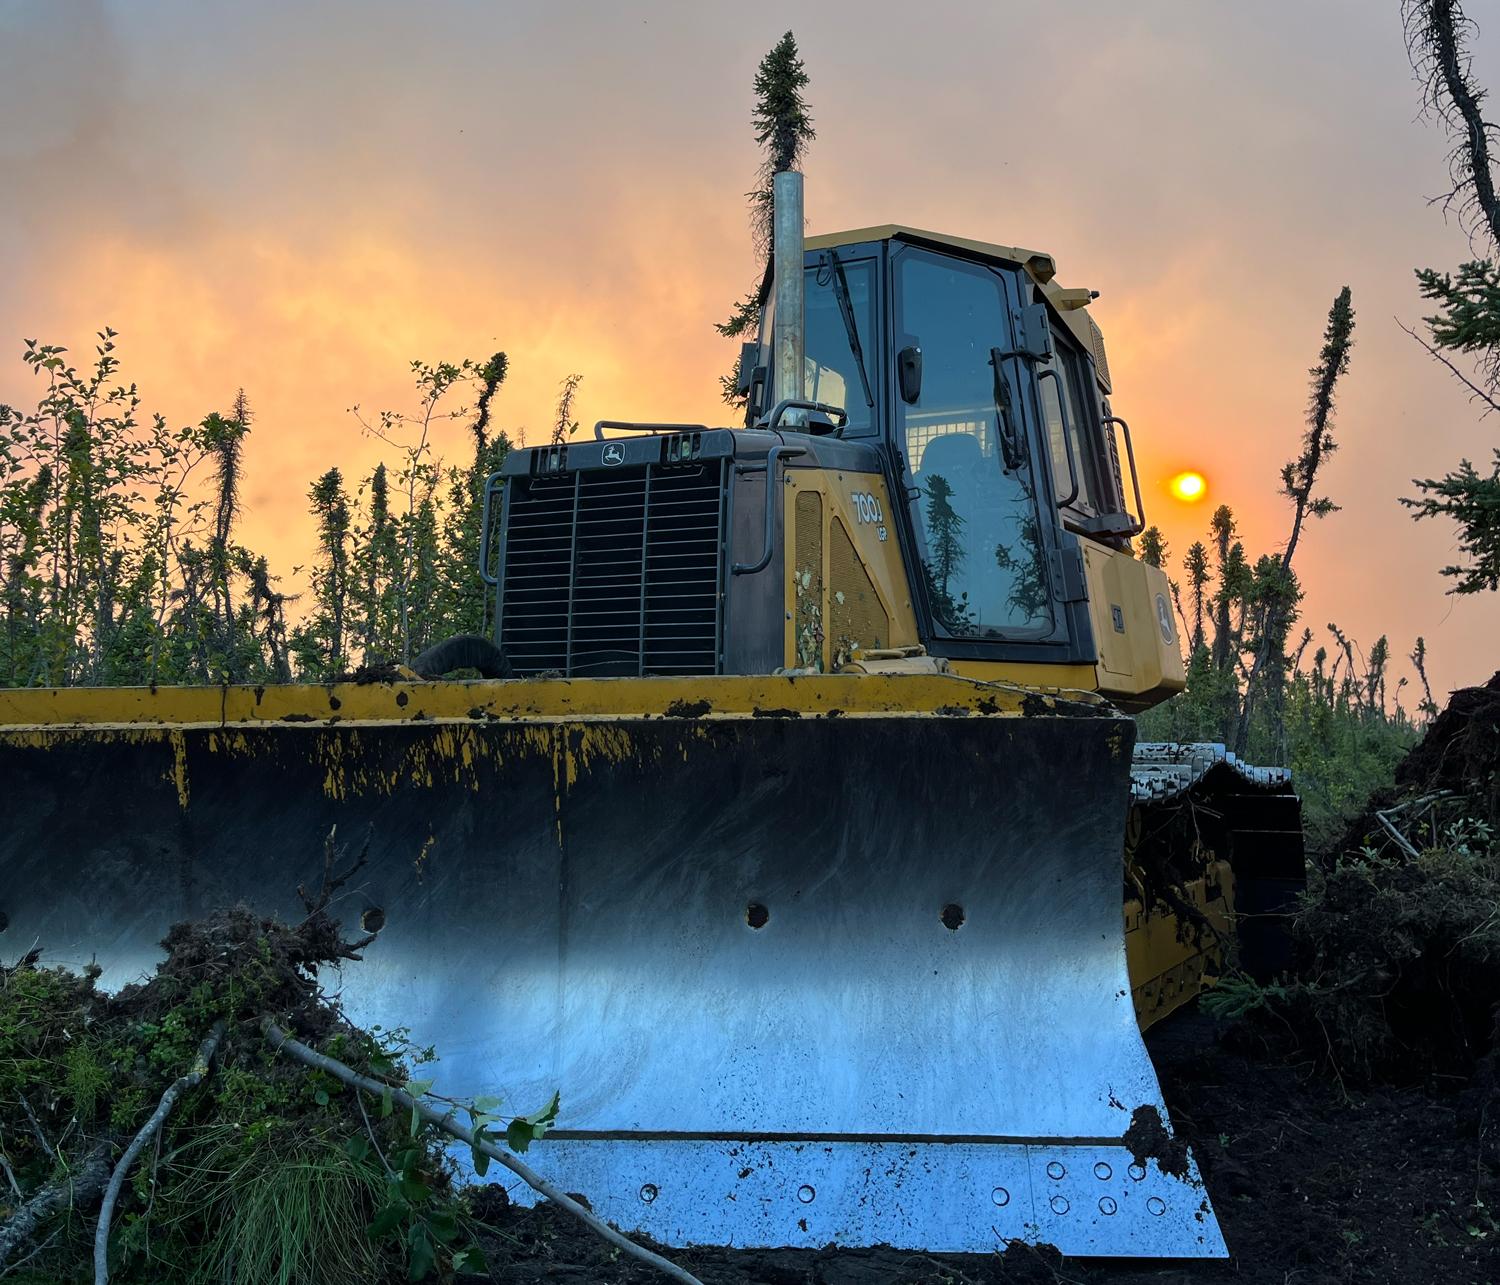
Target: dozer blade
<point x="811" y="960"/>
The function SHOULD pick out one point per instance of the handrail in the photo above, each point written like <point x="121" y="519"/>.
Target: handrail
<point x="1135" y="480"/>
<point x="1067" y="435"/>
<point x="776" y="453"/>
<point x="625" y="426"/>
<point x="484" y="533"/>
<point x="796" y="403"/>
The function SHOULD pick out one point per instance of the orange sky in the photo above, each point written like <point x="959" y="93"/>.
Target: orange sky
<point x="300" y="202"/>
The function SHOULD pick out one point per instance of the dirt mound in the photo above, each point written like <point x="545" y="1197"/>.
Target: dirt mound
<point x="1456" y="761"/>
<point x="1461" y="750"/>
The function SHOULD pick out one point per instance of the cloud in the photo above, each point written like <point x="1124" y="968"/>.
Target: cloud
<point x="301" y="199"/>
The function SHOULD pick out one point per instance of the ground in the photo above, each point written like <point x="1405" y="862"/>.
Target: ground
<point x="1312" y="1183"/>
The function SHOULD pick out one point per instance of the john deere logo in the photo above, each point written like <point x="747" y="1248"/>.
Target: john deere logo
<point x="614" y="454"/>
<point x="1164" y="617"/>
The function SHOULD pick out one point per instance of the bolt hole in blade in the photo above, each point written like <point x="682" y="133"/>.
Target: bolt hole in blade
<point x="756" y="915"/>
<point x="953" y="917"/>
<point x="373" y="919"/>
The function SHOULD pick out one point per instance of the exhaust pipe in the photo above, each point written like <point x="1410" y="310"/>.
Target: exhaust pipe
<point x="790" y="326"/>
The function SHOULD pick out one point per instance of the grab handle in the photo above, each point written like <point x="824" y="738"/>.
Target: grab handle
<point x="490" y="487"/>
<point x="776" y="453"/>
<point x="1135" y="479"/>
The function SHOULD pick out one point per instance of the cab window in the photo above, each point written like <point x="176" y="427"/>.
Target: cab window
<point x="831" y="364"/>
<point x="1069" y="416"/>
<point x="975" y="497"/>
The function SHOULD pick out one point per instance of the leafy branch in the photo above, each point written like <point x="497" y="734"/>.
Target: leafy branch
<point x="476" y="1136"/>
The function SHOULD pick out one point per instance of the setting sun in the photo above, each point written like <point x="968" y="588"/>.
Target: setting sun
<point x="1189" y="487"/>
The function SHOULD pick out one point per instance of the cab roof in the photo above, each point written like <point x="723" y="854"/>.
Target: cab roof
<point x="1040" y="267"/>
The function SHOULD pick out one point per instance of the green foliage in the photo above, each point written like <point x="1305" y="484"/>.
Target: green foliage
<point x="269" y="1173"/>
<point x="1247" y="685"/>
<point x="412" y="1217"/>
<point x="275" y="1206"/>
<point x="1398" y="957"/>
<point x="564" y="424"/>
<point x="1328" y="716"/>
<point x="430" y="586"/>
<point x="119" y="562"/>
<point x="1472" y="501"/>
<point x="320" y="645"/>
<point x="112" y="570"/>
<point x="783" y="127"/>
<point x="1466" y="323"/>
<point x="1236" y="995"/>
<point x="1272" y="599"/>
<point x="1153" y="548"/>
<point x="1467" y="319"/>
<point x="521" y="1132"/>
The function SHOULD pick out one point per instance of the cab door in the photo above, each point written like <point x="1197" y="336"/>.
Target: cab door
<point x="981" y="505"/>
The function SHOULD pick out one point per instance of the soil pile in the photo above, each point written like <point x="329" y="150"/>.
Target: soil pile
<point x="1455" y="764"/>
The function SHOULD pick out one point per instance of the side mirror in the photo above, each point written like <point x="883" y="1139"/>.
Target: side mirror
<point x="1034" y="333"/>
<point x="755" y="397"/>
<point x="909" y="372"/>
<point x="745" y="371"/>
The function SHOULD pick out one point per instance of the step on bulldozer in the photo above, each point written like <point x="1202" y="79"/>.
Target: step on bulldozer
<point x="793" y="847"/>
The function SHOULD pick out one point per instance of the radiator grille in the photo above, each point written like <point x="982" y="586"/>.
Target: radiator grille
<point x="610" y="572"/>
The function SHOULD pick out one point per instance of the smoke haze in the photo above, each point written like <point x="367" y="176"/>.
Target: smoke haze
<point x="300" y="200"/>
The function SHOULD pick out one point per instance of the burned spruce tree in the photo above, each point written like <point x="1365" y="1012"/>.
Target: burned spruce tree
<point x="1275" y="592"/>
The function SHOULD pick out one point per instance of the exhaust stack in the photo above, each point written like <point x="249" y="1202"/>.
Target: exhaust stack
<point x="790" y="325"/>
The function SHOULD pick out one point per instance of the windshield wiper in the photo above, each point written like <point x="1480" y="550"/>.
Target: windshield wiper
<point x="846" y="310"/>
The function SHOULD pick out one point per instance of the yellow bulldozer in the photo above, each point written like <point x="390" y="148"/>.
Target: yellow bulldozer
<point x="789" y="834"/>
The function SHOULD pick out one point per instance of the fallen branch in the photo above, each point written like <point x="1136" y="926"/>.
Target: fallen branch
<point x="80" y="1188"/>
<point x="175" y="1090"/>
<point x="36" y="1129"/>
<point x="446" y="1123"/>
<point x="1389" y="826"/>
<point x="1400" y="839"/>
<point x="10" y="1175"/>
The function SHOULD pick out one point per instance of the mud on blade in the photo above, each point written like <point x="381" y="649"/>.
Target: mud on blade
<point x="808" y="960"/>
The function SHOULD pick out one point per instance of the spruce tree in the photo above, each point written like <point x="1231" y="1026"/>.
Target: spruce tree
<point x="783" y="128"/>
<point x="330" y="509"/>
<point x="1466" y="325"/>
<point x="1274" y="590"/>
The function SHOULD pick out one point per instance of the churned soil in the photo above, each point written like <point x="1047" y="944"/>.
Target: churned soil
<point x="1311" y="1183"/>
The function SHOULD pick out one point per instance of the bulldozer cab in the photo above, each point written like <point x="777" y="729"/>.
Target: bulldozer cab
<point x="976" y="416"/>
<point x="946" y="481"/>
